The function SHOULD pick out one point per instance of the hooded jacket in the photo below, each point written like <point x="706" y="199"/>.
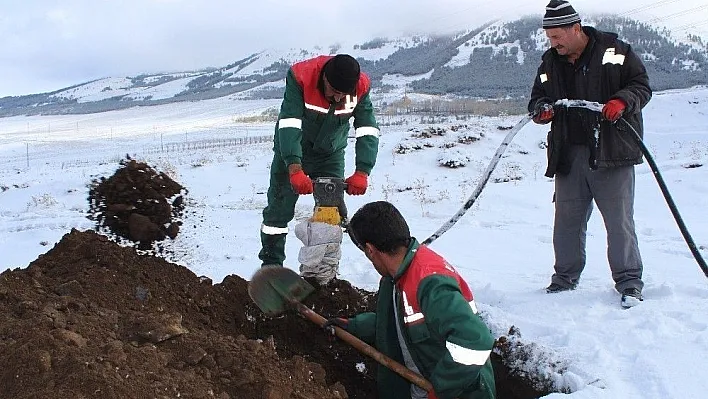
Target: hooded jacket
<point x="612" y="71"/>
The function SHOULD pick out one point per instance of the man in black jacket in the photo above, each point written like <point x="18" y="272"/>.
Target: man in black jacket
<point x="591" y="156"/>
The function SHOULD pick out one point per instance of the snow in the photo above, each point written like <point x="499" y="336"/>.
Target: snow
<point x="541" y="40"/>
<point x="175" y="118"/>
<point x="161" y="91"/>
<point x="502" y="246"/>
<point x="466" y="49"/>
<point x="397" y="87"/>
<point x="267" y="57"/>
<point x="123" y="87"/>
<point x="265" y="86"/>
<point x="388" y="47"/>
<point x="96" y="90"/>
<point x="690" y="65"/>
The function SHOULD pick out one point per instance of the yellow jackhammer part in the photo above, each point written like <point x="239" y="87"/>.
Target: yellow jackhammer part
<point x="327" y="214"/>
<point x="329" y="200"/>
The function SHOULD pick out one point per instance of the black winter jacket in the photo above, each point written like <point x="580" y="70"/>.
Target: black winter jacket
<point x="612" y="70"/>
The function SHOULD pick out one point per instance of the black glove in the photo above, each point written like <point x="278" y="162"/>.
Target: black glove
<point x="329" y="325"/>
<point x="543" y="113"/>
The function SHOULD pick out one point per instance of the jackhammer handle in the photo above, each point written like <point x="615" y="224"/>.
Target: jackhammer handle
<point x="367" y="349"/>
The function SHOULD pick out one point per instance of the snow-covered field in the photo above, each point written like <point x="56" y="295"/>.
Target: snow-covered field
<point x="502" y="245"/>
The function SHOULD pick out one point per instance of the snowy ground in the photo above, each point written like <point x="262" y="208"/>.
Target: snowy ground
<point x="502" y="245"/>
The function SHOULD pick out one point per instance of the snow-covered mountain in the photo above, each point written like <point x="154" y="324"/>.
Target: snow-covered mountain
<point x="498" y="59"/>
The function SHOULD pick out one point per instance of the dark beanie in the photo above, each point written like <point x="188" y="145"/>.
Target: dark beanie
<point x="559" y="13"/>
<point x="342" y="73"/>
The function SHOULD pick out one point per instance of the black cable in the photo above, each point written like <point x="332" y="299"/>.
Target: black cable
<point x="597" y="107"/>
<point x="667" y="196"/>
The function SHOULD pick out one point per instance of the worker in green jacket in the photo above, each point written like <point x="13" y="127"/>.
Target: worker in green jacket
<point x="425" y="318"/>
<point x="321" y="95"/>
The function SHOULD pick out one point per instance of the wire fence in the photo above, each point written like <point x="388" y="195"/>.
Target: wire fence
<point x="79" y="153"/>
<point x="206" y="144"/>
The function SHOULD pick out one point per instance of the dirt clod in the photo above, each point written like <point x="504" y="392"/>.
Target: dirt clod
<point x="137" y="203"/>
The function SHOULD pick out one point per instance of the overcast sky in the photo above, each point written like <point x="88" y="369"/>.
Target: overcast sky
<point x="50" y="44"/>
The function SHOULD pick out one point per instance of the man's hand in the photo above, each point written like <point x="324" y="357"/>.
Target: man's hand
<point x="357" y="183"/>
<point x="543" y="113"/>
<point x="301" y="183"/>
<point x="614" y="109"/>
<point x="329" y="325"/>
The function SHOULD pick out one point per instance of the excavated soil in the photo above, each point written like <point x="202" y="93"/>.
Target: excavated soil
<point x="137" y="204"/>
<point x="92" y="318"/>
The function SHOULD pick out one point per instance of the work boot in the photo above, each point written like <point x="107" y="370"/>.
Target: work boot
<point x="555" y="288"/>
<point x="631" y="297"/>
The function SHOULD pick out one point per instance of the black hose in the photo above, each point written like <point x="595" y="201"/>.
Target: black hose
<point x="597" y="107"/>
<point x="667" y="196"/>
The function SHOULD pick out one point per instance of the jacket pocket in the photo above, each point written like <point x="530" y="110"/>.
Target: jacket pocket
<point x="550" y="148"/>
<point x="620" y="146"/>
<point x="332" y="135"/>
<point x="420" y="347"/>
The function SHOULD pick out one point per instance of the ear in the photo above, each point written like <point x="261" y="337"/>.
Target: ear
<point x="372" y="252"/>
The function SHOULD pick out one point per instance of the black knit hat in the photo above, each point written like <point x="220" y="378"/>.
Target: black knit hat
<point x="559" y="13"/>
<point x="342" y="73"/>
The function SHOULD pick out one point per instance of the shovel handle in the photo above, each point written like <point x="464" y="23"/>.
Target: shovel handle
<point x="367" y="349"/>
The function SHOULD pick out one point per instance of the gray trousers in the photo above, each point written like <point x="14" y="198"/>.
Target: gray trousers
<point x="613" y="192"/>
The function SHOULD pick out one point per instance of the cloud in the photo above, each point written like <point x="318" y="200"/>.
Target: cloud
<point x="49" y="44"/>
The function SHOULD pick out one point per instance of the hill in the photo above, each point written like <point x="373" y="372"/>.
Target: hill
<point x="496" y="60"/>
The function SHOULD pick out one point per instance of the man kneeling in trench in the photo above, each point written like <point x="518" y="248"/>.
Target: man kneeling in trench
<point x="425" y="318"/>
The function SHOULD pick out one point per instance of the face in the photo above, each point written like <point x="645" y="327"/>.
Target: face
<point x="331" y="94"/>
<point x="563" y="39"/>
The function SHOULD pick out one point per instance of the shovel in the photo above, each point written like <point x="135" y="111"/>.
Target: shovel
<point x="276" y="289"/>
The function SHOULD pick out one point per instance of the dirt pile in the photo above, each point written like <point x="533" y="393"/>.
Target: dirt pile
<point x="137" y="203"/>
<point x="93" y="318"/>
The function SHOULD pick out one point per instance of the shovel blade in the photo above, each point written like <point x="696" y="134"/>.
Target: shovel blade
<point x="274" y="288"/>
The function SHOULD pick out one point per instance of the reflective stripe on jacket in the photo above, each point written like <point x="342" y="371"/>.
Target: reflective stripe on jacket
<point x="309" y="126"/>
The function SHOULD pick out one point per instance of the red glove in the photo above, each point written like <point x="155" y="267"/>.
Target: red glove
<point x="301" y="183"/>
<point x="614" y="109"/>
<point x="357" y="183"/>
<point x="544" y="114"/>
